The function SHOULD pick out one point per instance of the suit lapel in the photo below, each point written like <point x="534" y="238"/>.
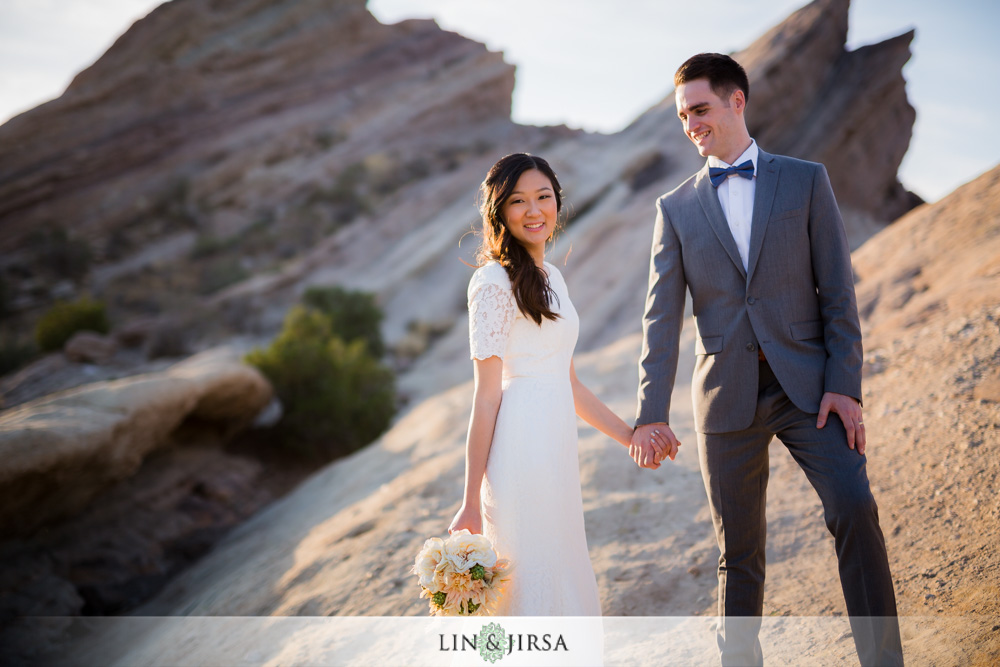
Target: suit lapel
<point x="767" y="185"/>
<point x="709" y="199"/>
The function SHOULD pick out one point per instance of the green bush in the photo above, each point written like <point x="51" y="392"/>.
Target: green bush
<point x="352" y="315"/>
<point x="208" y="244"/>
<point x="66" y="318"/>
<point x="337" y="397"/>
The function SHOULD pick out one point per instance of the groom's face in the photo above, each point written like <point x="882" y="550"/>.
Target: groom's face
<point x="711" y="123"/>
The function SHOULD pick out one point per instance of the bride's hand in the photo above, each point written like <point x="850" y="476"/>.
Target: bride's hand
<point x="470" y="518"/>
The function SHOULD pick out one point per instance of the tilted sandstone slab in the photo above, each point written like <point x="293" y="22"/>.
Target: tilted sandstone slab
<point x="224" y="91"/>
<point x="60" y="451"/>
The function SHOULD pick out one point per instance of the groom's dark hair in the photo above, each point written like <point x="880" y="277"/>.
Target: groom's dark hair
<point x="723" y="73"/>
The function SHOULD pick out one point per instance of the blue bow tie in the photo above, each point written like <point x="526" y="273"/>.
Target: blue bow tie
<point x="718" y="174"/>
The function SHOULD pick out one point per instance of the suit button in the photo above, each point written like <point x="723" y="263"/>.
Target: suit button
<point x="751" y="300"/>
<point x="751" y="347"/>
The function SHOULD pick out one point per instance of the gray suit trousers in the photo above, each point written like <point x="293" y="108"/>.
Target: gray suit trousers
<point x="735" y="470"/>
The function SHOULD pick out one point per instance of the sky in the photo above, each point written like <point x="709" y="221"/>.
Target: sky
<point x="597" y="64"/>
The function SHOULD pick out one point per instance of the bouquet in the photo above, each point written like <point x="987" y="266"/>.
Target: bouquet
<point x="461" y="576"/>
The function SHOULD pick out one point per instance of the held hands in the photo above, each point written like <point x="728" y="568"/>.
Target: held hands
<point x="850" y="413"/>
<point x="651" y="443"/>
<point x="468" y="517"/>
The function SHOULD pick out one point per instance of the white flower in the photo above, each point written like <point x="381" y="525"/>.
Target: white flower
<point x="426" y="563"/>
<point x="465" y="550"/>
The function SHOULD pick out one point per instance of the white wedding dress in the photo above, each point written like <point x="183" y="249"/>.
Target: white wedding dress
<point x="532" y="508"/>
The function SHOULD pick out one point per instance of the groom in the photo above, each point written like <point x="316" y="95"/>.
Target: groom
<point x="759" y="242"/>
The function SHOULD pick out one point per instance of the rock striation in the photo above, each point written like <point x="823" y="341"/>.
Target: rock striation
<point x="197" y="84"/>
<point x="214" y="140"/>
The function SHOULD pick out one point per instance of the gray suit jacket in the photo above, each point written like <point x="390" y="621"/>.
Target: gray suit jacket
<point x="796" y="302"/>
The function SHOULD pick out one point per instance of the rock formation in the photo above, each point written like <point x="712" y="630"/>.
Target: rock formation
<point x="805" y="102"/>
<point x="214" y="125"/>
<point x="108" y="490"/>
<point x="62" y="450"/>
<point x="90" y="347"/>
<point x="218" y="91"/>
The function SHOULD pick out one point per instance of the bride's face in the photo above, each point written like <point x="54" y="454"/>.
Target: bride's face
<point x="530" y="211"/>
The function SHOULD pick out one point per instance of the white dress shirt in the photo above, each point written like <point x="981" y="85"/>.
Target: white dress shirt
<point x="736" y="196"/>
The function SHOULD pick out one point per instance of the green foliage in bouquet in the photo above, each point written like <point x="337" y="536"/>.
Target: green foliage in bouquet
<point x="337" y="397"/>
<point x="352" y="315"/>
<point x="65" y="318"/>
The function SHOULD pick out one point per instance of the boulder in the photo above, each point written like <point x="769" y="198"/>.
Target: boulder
<point x="135" y="332"/>
<point x="89" y="347"/>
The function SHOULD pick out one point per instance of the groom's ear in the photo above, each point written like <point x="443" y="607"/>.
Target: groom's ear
<point x="738" y="100"/>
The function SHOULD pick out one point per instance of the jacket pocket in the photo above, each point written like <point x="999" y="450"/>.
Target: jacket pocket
<point x="791" y="213"/>
<point x="708" y="345"/>
<point x="806" y="330"/>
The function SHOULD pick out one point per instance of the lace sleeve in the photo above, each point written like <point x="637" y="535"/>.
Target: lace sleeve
<point x="492" y="310"/>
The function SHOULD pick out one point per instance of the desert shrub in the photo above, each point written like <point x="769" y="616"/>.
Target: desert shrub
<point x="352" y="315"/>
<point x="337" y="397"/>
<point x="57" y="251"/>
<point x="221" y="273"/>
<point x="387" y="173"/>
<point x="207" y="244"/>
<point x="65" y="318"/>
<point x="173" y="203"/>
<point x="15" y="353"/>
<point x="327" y="138"/>
<point x="345" y="197"/>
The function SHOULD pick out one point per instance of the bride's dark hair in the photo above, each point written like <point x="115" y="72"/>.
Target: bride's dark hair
<point x="529" y="282"/>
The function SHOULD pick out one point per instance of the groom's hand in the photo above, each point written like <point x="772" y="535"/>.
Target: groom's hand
<point x="651" y="443"/>
<point x="849" y="411"/>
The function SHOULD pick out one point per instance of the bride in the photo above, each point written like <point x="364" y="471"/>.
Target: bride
<point x="522" y="477"/>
